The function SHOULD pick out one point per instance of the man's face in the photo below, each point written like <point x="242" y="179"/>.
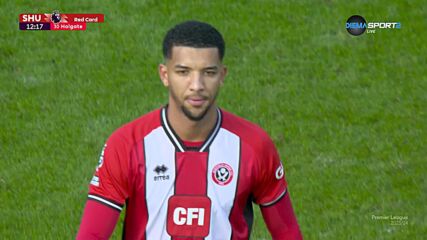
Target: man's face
<point x="193" y="76"/>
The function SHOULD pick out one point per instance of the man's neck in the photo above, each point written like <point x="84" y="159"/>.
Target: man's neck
<point x="190" y="130"/>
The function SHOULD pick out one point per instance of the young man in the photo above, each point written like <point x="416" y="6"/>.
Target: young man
<point x="189" y="170"/>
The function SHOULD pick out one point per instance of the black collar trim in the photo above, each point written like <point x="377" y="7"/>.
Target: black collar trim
<point x="177" y="142"/>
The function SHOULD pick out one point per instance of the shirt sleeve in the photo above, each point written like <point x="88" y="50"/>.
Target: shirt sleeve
<point x="281" y="221"/>
<point x="270" y="183"/>
<point x="98" y="221"/>
<point x="109" y="184"/>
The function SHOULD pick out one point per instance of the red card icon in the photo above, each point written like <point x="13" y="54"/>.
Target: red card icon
<point x="188" y="216"/>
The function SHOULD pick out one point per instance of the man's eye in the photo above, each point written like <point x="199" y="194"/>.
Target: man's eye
<point x="182" y="72"/>
<point x="210" y="73"/>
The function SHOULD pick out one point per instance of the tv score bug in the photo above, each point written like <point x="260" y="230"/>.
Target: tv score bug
<point x="57" y="21"/>
<point x="36" y="26"/>
<point x="33" y="22"/>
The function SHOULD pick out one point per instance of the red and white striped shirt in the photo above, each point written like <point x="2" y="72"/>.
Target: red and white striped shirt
<point x="174" y="191"/>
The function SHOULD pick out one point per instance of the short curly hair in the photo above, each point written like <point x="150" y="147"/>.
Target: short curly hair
<point x="193" y="34"/>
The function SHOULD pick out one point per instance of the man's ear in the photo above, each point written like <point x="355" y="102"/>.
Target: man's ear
<point x="224" y="72"/>
<point x="163" y="73"/>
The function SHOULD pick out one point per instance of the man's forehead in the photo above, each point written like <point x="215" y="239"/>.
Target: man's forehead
<point x="191" y="55"/>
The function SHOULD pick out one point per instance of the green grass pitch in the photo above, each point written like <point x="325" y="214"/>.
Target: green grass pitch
<point x="348" y="114"/>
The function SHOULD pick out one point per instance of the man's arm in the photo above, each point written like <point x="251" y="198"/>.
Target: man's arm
<point x="98" y="221"/>
<point x="108" y="190"/>
<point x="280" y="219"/>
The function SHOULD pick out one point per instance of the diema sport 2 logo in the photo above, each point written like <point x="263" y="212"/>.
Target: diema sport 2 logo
<point x="356" y="25"/>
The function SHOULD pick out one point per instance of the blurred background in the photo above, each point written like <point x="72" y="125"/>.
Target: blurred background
<point x="347" y="114"/>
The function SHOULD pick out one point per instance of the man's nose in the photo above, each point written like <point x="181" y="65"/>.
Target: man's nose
<point x="197" y="82"/>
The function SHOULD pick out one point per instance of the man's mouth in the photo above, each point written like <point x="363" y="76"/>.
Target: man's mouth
<point x="196" y="101"/>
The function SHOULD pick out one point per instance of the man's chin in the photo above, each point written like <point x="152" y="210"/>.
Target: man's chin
<point x="194" y="115"/>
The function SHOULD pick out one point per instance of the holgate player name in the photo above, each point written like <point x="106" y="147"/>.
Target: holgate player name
<point x="58" y="21"/>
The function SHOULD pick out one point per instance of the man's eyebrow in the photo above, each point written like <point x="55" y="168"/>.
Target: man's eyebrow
<point x="206" y="68"/>
<point x="211" y="68"/>
<point x="181" y="66"/>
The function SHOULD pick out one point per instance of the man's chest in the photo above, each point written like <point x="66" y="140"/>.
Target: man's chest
<point x="192" y="191"/>
<point x="215" y="174"/>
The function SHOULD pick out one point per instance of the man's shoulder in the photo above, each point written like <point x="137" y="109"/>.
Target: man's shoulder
<point x="138" y="128"/>
<point x="245" y="129"/>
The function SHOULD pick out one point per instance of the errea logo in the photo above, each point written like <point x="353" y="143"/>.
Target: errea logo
<point x="160" y="170"/>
